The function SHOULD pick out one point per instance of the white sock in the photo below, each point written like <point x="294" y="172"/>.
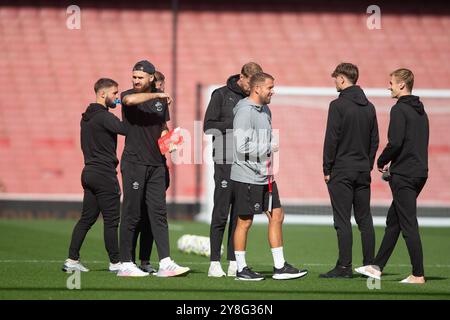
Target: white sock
<point x="278" y="257"/>
<point x="164" y="262"/>
<point x="215" y="263"/>
<point x="240" y="260"/>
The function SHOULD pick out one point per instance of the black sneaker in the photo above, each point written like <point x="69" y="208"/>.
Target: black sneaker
<point x="338" y="272"/>
<point x="248" y="275"/>
<point x="288" y="272"/>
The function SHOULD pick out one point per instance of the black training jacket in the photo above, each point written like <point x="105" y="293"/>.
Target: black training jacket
<point x="408" y="136"/>
<point x="219" y="119"/>
<point x="351" y="138"/>
<point x="99" y="129"/>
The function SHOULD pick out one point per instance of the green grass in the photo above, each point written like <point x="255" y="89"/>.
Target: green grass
<point x="32" y="252"/>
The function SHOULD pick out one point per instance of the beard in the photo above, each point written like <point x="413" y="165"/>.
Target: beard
<point x="143" y="88"/>
<point x="110" y="103"/>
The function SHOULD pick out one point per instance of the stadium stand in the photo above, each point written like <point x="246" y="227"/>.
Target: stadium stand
<point x="47" y="74"/>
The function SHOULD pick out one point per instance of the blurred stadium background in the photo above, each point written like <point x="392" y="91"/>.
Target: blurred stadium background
<point x="47" y="72"/>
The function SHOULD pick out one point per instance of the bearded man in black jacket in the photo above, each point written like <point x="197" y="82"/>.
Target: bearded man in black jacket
<point x="218" y="122"/>
<point x="99" y="130"/>
<point x="351" y="142"/>
<point x="407" y="153"/>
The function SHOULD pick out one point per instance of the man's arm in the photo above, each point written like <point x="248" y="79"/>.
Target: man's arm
<point x="165" y="129"/>
<point x="374" y="142"/>
<point x="114" y="125"/>
<point x="133" y="99"/>
<point x="212" y="115"/>
<point x="243" y="133"/>
<point x="396" y="135"/>
<point x="332" y="137"/>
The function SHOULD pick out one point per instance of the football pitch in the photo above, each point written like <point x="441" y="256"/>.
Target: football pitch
<point x="32" y="252"/>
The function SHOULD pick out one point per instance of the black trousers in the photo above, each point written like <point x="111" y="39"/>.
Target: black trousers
<point x="347" y="190"/>
<point x="402" y="216"/>
<point x="223" y="193"/>
<point x="143" y="184"/>
<point x="101" y="194"/>
<point x="145" y="235"/>
<point x="144" y="231"/>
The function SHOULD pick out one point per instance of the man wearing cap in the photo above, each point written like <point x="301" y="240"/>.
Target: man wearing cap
<point x="144" y="231"/>
<point x="145" y="115"/>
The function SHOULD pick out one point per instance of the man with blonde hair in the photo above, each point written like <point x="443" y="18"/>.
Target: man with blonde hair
<point x="407" y="153"/>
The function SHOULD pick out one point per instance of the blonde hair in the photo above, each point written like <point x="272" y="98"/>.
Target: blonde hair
<point x="250" y="68"/>
<point x="406" y="76"/>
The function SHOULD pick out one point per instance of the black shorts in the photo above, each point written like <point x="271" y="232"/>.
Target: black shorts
<point x="252" y="199"/>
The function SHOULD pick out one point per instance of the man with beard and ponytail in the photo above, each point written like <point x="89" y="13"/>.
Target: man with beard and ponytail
<point x="145" y="115"/>
<point x="99" y="130"/>
<point x="219" y="123"/>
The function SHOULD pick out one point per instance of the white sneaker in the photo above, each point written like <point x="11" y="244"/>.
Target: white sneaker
<point x="369" y="271"/>
<point x="148" y="268"/>
<point x="232" y="268"/>
<point x="129" y="269"/>
<point x="171" y="270"/>
<point x="215" y="270"/>
<point x="73" y="265"/>
<point x="114" y="267"/>
<point x="413" y="280"/>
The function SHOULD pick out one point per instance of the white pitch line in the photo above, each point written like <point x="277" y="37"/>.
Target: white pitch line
<point x="207" y="263"/>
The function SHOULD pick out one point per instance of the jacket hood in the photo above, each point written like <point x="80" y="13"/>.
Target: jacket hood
<point x="355" y="94"/>
<point x="414" y="102"/>
<point x="233" y="86"/>
<point x="92" y="110"/>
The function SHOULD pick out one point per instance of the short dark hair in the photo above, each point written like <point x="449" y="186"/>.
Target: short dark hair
<point x="250" y="68"/>
<point x="349" y="70"/>
<point x="405" y="75"/>
<point x="104" y="83"/>
<point x="258" y="78"/>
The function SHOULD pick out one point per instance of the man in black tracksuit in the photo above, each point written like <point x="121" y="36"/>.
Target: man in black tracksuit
<point x="99" y="129"/>
<point x="407" y="153"/>
<point x="219" y="123"/>
<point x="351" y="142"/>
<point x="145" y="115"/>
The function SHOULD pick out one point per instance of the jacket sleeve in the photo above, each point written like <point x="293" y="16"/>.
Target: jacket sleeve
<point x="114" y="125"/>
<point x="332" y="136"/>
<point x="396" y="136"/>
<point x="213" y="119"/>
<point x="374" y="141"/>
<point x="243" y="135"/>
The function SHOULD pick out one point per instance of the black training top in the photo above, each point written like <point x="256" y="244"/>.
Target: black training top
<point x="351" y="138"/>
<point x="144" y="123"/>
<point x="99" y="129"/>
<point x="219" y="119"/>
<point x="408" y="136"/>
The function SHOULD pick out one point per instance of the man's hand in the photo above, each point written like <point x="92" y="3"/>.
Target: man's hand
<point x="163" y="95"/>
<point x="172" y="147"/>
<point x="326" y="178"/>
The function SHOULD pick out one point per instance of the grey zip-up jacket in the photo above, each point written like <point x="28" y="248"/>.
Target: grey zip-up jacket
<point x="252" y="131"/>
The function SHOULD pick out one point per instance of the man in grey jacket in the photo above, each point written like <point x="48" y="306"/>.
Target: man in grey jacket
<point x="253" y="189"/>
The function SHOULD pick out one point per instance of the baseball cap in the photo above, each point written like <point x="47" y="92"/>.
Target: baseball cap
<point x="145" y="66"/>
